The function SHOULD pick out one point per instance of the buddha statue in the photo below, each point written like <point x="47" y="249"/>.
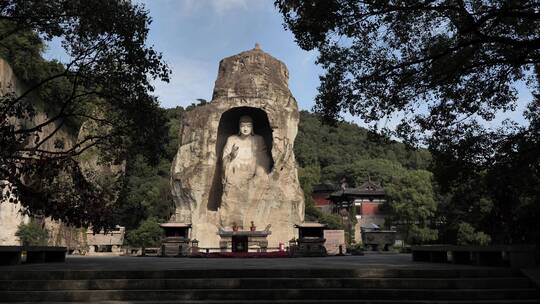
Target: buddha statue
<point x="246" y="163"/>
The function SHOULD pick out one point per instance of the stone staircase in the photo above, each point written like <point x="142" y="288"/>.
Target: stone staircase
<point x="392" y="285"/>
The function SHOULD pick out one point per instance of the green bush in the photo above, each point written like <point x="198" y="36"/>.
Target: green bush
<point x="148" y="234"/>
<point x="356" y="247"/>
<point x="467" y="235"/>
<point x="32" y="234"/>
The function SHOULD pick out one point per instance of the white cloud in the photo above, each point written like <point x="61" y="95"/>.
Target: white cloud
<point x="220" y="7"/>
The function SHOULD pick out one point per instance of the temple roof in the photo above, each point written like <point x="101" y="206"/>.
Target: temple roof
<point x="369" y="188"/>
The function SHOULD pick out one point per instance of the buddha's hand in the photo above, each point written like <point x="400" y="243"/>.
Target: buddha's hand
<point x="234" y="152"/>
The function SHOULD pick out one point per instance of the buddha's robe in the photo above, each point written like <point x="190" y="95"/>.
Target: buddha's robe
<point x="243" y="177"/>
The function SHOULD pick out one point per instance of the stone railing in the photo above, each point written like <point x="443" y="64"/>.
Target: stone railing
<point x="10" y="255"/>
<point x="515" y="256"/>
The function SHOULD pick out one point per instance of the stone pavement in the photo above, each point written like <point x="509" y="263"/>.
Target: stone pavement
<point x="368" y="261"/>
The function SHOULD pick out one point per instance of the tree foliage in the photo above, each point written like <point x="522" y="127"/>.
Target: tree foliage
<point x="446" y="70"/>
<point x="467" y="235"/>
<point x="326" y="145"/>
<point x="147" y="234"/>
<point x="412" y="206"/>
<point x="32" y="234"/>
<point x="146" y="194"/>
<point x="347" y="152"/>
<point x="105" y="82"/>
<point x="450" y="59"/>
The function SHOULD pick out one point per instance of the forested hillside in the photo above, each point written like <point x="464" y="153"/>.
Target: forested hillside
<point x="347" y="152"/>
<point x="351" y="152"/>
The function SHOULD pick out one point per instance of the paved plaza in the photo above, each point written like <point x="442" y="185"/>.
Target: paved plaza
<point x="368" y="261"/>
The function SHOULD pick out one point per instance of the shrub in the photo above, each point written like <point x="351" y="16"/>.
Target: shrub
<point x="146" y="235"/>
<point x="32" y="234"/>
<point x="466" y="235"/>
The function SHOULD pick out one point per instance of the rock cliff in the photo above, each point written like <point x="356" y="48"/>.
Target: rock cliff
<point x="255" y="84"/>
<point x="10" y="214"/>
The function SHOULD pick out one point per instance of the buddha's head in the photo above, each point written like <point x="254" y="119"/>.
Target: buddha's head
<point x="245" y="126"/>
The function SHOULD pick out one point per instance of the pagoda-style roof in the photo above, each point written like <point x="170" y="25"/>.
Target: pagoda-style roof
<point x="371" y="187"/>
<point x="367" y="189"/>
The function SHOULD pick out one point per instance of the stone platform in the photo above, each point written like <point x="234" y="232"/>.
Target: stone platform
<point x="388" y="278"/>
<point x="379" y="261"/>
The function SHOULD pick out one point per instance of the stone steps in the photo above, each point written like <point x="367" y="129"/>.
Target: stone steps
<point x="258" y="286"/>
<point x="312" y="302"/>
<point x="328" y="294"/>
<point x="256" y="273"/>
<point x="266" y="283"/>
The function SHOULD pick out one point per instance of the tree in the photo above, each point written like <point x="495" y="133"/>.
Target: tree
<point x="174" y="117"/>
<point x="381" y="170"/>
<point x="308" y="177"/>
<point x="442" y="61"/>
<point x="103" y="88"/>
<point x="468" y="236"/>
<point x="345" y="143"/>
<point x="443" y="68"/>
<point x="147" y="234"/>
<point x="412" y="206"/>
<point x="147" y="193"/>
<point x="32" y="234"/>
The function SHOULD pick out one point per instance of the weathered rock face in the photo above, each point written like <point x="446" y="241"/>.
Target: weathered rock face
<point x="10" y="219"/>
<point x="100" y="173"/>
<point x="10" y="215"/>
<point x="252" y="84"/>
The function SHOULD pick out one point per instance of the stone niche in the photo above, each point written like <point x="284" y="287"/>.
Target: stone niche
<point x="228" y="125"/>
<point x="255" y="84"/>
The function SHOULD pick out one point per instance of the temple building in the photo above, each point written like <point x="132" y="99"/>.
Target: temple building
<point x="364" y="202"/>
<point x="321" y="195"/>
<point x="106" y="243"/>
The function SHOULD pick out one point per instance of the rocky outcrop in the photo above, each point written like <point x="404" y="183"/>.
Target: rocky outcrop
<point x="99" y="173"/>
<point x="10" y="213"/>
<point x="10" y="219"/>
<point x="255" y="84"/>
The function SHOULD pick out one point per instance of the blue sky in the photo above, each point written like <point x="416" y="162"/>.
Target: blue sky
<point x="194" y="35"/>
